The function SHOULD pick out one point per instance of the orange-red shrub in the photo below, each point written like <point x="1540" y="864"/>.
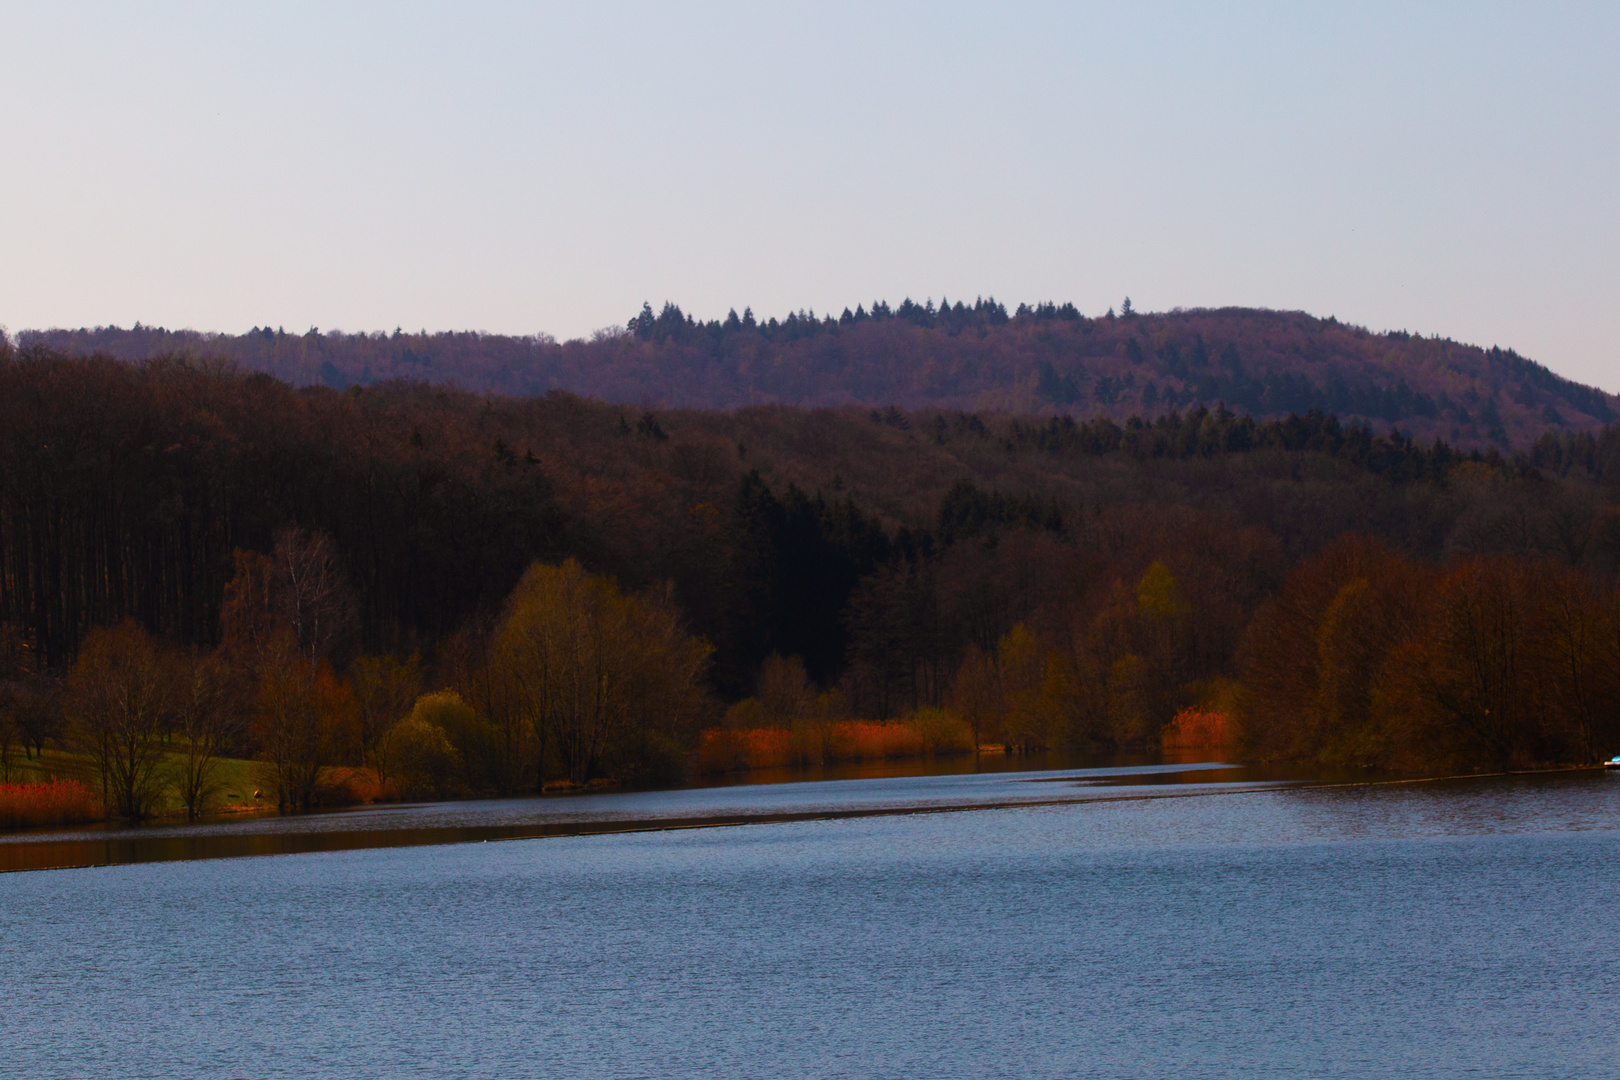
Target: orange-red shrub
<point x="861" y="740"/>
<point x="721" y="750"/>
<point x="344" y="785"/>
<point x="1194" y="729"/>
<point x="53" y="802"/>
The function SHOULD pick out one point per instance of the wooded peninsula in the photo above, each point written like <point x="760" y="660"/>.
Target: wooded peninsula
<point x="403" y="589"/>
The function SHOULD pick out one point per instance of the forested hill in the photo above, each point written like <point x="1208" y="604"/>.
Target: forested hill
<point x="1116" y="573"/>
<point x="1043" y="359"/>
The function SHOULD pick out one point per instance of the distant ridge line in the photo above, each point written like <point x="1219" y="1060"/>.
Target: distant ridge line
<point x="1036" y="359"/>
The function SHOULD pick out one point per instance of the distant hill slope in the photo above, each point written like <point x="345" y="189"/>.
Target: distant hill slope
<point x="1045" y="359"/>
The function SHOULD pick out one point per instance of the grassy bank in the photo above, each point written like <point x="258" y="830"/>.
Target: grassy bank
<point x="236" y="782"/>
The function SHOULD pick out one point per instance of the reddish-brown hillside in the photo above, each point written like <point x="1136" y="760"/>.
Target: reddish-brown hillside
<point x="1046" y="359"/>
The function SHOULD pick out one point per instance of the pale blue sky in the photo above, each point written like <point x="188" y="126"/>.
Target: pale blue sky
<point x="1443" y="168"/>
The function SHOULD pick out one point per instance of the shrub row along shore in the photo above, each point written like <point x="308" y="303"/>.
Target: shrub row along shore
<point x="926" y="733"/>
<point x="931" y="732"/>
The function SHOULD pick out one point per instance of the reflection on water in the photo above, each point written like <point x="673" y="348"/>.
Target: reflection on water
<point x="857" y="791"/>
<point x="1110" y="924"/>
<point x="471" y="821"/>
<point x="945" y="765"/>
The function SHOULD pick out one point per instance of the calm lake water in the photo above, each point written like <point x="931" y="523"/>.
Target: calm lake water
<point x="1177" y="923"/>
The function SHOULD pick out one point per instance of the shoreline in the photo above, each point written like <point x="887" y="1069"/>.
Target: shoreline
<point x="63" y="851"/>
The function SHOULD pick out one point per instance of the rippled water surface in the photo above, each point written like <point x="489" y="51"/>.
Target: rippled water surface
<point x="1165" y="924"/>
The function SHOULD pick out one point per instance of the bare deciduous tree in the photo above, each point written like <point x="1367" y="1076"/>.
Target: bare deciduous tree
<point x="291" y="734"/>
<point x="784" y="689"/>
<point x="205" y="716"/>
<point x="118" y="701"/>
<point x="384" y="690"/>
<point x="299" y="586"/>
<point x="315" y="598"/>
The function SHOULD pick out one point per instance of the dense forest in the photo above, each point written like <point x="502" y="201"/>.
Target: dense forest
<point x="1045" y="358"/>
<point x="1350" y="597"/>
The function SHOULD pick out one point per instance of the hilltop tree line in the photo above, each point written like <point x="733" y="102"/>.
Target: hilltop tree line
<point x="949" y="355"/>
<point x="337" y="564"/>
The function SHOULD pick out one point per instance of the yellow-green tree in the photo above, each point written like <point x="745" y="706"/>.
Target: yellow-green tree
<point x="1133" y="714"/>
<point x="1158" y="595"/>
<point x="610" y="682"/>
<point x="1021" y="664"/>
<point x="421" y="755"/>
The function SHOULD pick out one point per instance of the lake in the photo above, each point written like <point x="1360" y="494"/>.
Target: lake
<point x="1092" y="923"/>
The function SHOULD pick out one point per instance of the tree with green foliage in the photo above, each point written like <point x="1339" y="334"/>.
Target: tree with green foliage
<point x="421" y="758"/>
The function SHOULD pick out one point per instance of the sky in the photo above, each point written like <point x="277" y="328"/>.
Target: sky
<point x="1444" y="168"/>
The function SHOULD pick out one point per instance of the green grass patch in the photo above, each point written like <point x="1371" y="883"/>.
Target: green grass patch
<point x="235" y="779"/>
